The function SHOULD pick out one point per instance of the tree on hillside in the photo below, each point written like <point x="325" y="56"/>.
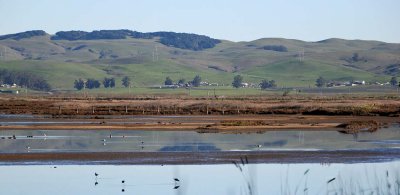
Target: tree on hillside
<point x="25" y="79"/>
<point x="109" y="82"/>
<point x="126" y="81"/>
<point x="355" y="57"/>
<point x="278" y="48"/>
<point x="112" y="82"/>
<point x="79" y="84"/>
<point x="92" y="83"/>
<point x="168" y="81"/>
<point x="320" y="82"/>
<point x="106" y="83"/>
<point x="196" y="81"/>
<point x="265" y="84"/>
<point x="237" y="81"/>
<point x="181" y="81"/>
<point x="393" y="81"/>
<point x="178" y="40"/>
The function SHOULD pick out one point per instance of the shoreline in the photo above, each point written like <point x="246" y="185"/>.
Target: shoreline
<point x="201" y="124"/>
<point x="212" y="157"/>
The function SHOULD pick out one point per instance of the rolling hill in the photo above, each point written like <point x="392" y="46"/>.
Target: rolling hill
<point x="150" y="57"/>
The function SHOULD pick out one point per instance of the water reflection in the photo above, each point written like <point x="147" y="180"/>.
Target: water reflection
<point x="239" y="178"/>
<point x="15" y="141"/>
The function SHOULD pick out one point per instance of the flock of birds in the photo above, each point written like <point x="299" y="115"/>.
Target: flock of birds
<point x="176" y="182"/>
<point x="104" y="141"/>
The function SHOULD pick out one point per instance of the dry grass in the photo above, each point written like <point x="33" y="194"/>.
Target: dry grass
<point x="353" y="127"/>
<point x="362" y="106"/>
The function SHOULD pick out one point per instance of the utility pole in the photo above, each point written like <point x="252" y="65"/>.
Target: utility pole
<point x="300" y="55"/>
<point x="84" y="88"/>
<point x="3" y="53"/>
<point x="214" y="94"/>
<point x="156" y="53"/>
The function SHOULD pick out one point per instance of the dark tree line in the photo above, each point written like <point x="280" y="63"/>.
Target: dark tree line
<point x="89" y="84"/>
<point x="82" y="35"/>
<point x="195" y="82"/>
<point x="178" y="40"/>
<point x="186" y="41"/>
<point x="278" y="48"/>
<point x="25" y="79"/>
<point x="266" y="84"/>
<point x="93" y="83"/>
<point x="109" y="82"/>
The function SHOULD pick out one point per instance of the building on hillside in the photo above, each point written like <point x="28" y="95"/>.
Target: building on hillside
<point x="245" y="84"/>
<point x="358" y="83"/>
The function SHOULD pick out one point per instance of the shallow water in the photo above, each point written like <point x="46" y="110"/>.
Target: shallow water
<point x="17" y="141"/>
<point x="367" y="178"/>
<point x="376" y="175"/>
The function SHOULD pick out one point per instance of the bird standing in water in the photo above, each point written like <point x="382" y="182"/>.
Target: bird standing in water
<point x="176" y="180"/>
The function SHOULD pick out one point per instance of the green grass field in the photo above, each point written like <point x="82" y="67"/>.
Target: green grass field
<point x="294" y="73"/>
<point x="287" y="74"/>
<point x="201" y="91"/>
<point x="58" y="74"/>
<point x="148" y="62"/>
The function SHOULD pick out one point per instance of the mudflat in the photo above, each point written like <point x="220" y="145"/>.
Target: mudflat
<point x="202" y="115"/>
<point x="160" y="158"/>
<point x="216" y="124"/>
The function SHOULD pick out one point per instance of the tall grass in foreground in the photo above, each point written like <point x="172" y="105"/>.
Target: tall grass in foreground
<point x="370" y="182"/>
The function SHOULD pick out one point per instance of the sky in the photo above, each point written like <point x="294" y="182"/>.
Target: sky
<point x="235" y="20"/>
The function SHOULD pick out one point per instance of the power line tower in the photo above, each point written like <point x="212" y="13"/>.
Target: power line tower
<point x="3" y="53"/>
<point x="156" y="53"/>
<point x="300" y="55"/>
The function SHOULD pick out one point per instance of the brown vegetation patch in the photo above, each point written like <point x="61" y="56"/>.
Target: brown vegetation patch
<point x="243" y="123"/>
<point x="74" y="106"/>
<point x="231" y="131"/>
<point x="353" y="127"/>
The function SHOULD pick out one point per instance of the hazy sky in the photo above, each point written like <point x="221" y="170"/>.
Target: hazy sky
<point x="236" y="20"/>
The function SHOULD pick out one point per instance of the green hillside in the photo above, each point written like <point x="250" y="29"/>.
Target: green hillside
<point x="148" y="58"/>
<point x="58" y="74"/>
<point x="303" y="73"/>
